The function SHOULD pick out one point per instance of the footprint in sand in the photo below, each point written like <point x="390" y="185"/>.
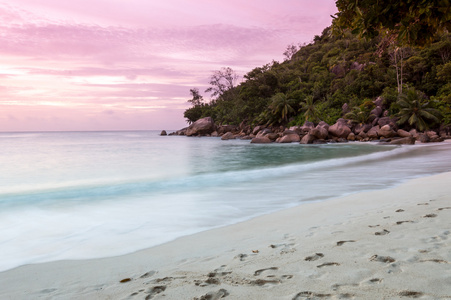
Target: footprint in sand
<point x="221" y="271"/>
<point x="165" y="279"/>
<point x="262" y="282"/>
<point x="310" y="295"/>
<point x="241" y="257"/>
<point x="342" y="242"/>
<point x="328" y="264"/>
<point x="411" y="294"/>
<point x="154" y="291"/>
<point x="443" y="208"/>
<point x="148" y="274"/>
<point x="213" y="277"/>
<point x="383" y="232"/>
<point x="385" y="259"/>
<point x="439" y="261"/>
<point x="314" y="257"/>
<point x="430" y="216"/>
<point x="423" y="204"/>
<point x="399" y="210"/>
<point x="401" y="222"/>
<point x="286" y="248"/>
<point x="336" y="287"/>
<point x="375" y="280"/>
<point x="258" y="272"/>
<point x="222" y="293"/>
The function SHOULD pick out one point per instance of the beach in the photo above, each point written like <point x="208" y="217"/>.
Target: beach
<point x="385" y="244"/>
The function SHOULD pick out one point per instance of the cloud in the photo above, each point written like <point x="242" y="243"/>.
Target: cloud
<point x="117" y="58"/>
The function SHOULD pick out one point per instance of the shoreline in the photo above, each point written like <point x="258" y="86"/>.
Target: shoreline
<point x="286" y="254"/>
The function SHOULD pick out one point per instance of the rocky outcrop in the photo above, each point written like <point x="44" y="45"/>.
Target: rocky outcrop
<point x="163" y="133"/>
<point x="272" y="136"/>
<point x="424" y="138"/>
<point x="403" y="133"/>
<point x="403" y="141"/>
<point x="261" y="140"/>
<point x="362" y="128"/>
<point x="263" y="132"/>
<point x="307" y="139"/>
<point x="228" y="136"/>
<point x="340" y="129"/>
<point x="373" y="132"/>
<point x="377" y="112"/>
<point x="320" y="132"/>
<point x="202" y="126"/>
<point x="387" y="121"/>
<point x="222" y="129"/>
<point x="290" y="138"/>
<point x="307" y="127"/>
<point x="324" y="125"/>
<point x="386" y="132"/>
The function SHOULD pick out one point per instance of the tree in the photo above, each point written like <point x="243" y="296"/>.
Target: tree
<point x="397" y="55"/>
<point x="281" y="107"/>
<point x="412" y="22"/>
<point x="361" y="114"/>
<point x="415" y="110"/>
<point x="222" y="81"/>
<point x="197" y="97"/>
<point x="290" y="51"/>
<point x="195" y="112"/>
<point x="309" y="109"/>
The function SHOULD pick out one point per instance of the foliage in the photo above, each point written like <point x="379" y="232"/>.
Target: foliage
<point x="416" y="110"/>
<point x="197" y="97"/>
<point x="332" y="70"/>
<point x="222" y="81"/>
<point x="361" y="114"/>
<point x="309" y="110"/>
<point x="412" y="22"/>
<point x="281" y="108"/>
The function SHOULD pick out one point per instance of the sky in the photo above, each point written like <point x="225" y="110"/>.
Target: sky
<point x="129" y="64"/>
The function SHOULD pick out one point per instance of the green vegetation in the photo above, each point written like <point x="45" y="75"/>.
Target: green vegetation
<point x="415" y="110"/>
<point x="409" y="66"/>
<point x="412" y="22"/>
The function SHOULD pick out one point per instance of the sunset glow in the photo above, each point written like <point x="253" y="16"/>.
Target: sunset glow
<point x="129" y="65"/>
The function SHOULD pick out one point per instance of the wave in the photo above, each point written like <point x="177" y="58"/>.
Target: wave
<point x="110" y="190"/>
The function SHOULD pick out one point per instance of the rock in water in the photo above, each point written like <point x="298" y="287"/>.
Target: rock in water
<point x="290" y="138"/>
<point x="163" y="132"/>
<point x="403" y="141"/>
<point x="201" y="127"/>
<point x="261" y="140"/>
<point x="228" y="136"/>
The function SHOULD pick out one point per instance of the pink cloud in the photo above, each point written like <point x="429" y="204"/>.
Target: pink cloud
<point x="78" y="60"/>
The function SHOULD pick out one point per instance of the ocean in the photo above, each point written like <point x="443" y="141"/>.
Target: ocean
<point x="79" y="195"/>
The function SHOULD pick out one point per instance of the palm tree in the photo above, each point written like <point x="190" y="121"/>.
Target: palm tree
<point x="360" y="114"/>
<point x="309" y="109"/>
<point x="415" y="110"/>
<point x="281" y="107"/>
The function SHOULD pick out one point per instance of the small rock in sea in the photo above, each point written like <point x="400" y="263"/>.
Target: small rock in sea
<point x="163" y="132"/>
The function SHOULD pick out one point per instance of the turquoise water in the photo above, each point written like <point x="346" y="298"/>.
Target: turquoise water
<point x="75" y="195"/>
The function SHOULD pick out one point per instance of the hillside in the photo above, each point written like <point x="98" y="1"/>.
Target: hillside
<point x="335" y="77"/>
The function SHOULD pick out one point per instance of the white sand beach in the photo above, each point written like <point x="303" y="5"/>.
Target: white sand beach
<point x="385" y="244"/>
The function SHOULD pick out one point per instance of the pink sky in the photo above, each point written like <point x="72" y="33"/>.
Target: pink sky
<point x="129" y="65"/>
